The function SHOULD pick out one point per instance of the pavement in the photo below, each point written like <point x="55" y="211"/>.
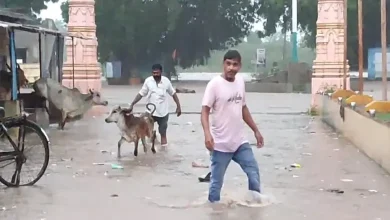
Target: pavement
<point x="165" y="185"/>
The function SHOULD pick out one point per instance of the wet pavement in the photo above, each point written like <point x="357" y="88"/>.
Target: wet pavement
<point x="165" y="185"/>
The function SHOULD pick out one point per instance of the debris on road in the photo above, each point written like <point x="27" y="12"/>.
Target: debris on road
<point x="198" y="165"/>
<point x="338" y="191"/>
<point x="116" y="166"/>
<point x="99" y="164"/>
<point x="346" y="180"/>
<point x="162" y="185"/>
<point x="295" y="165"/>
<point x="114" y="195"/>
<point x="307" y="154"/>
<point x="184" y="90"/>
<point x="67" y="159"/>
<point x="205" y="179"/>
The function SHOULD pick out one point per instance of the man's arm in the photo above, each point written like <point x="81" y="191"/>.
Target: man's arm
<point x="136" y="99"/>
<point x="176" y="99"/>
<point x="172" y="92"/>
<point x="246" y="115"/>
<point x="204" y="118"/>
<point x="207" y="102"/>
<point x="143" y="92"/>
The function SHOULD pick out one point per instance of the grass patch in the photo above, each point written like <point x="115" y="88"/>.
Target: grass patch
<point x="383" y="116"/>
<point x="313" y="111"/>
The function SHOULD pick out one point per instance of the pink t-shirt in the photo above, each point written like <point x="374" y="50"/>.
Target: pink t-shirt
<point x="226" y="100"/>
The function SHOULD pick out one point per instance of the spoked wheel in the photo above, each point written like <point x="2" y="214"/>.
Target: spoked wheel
<point x="27" y="166"/>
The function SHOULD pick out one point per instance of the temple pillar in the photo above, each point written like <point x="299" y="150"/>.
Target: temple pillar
<point x="328" y="67"/>
<point x="87" y="70"/>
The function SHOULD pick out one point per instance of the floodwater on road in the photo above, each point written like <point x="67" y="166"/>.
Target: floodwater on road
<point x="82" y="183"/>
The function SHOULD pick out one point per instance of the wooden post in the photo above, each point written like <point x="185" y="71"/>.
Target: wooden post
<point x="345" y="43"/>
<point x="384" y="49"/>
<point x="360" y="33"/>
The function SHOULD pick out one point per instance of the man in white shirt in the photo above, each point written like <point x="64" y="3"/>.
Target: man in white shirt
<point x="157" y="88"/>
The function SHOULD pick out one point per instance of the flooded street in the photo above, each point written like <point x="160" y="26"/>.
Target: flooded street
<point x="165" y="185"/>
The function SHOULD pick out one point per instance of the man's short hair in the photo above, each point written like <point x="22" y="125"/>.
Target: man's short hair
<point x="157" y="66"/>
<point x="232" y="55"/>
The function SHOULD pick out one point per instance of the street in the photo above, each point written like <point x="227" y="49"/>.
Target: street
<point x="165" y="185"/>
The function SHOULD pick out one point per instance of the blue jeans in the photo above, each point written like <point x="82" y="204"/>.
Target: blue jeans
<point x="219" y="162"/>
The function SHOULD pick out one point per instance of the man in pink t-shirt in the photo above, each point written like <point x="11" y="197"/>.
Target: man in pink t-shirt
<point x="225" y="138"/>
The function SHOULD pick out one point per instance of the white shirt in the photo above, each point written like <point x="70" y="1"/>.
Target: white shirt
<point x="157" y="94"/>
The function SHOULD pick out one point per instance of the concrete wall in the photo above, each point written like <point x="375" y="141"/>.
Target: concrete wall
<point x="370" y="136"/>
<point x="263" y="87"/>
<point x="299" y="73"/>
<point x="259" y="87"/>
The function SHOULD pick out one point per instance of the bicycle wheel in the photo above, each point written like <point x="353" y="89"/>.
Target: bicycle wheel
<point x="24" y="128"/>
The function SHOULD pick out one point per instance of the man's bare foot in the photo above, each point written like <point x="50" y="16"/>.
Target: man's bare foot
<point x="164" y="141"/>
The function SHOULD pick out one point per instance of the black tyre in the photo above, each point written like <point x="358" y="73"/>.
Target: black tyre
<point x="24" y="128"/>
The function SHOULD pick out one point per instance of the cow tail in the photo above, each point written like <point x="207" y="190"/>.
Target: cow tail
<point x="149" y="109"/>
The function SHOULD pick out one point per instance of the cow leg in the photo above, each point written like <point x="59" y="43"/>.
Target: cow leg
<point x="136" y="147"/>
<point x="144" y="144"/>
<point x="120" y="142"/>
<point x="153" y="140"/>
<point x="63" y="121"/>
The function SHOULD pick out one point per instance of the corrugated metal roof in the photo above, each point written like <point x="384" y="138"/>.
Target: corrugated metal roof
<point x="37" y="29"/>
<point x="10" y="13"/>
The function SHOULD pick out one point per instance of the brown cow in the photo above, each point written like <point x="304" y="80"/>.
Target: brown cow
<point x="133" y="128"/>
<point x="6" y="82"/>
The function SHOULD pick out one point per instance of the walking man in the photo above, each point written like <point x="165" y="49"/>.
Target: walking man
<point x="158" y="87"/>
<point x="225" y="138"/>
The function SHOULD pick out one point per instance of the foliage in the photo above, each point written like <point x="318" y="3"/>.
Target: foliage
<point x="27" y="6"/>
<point x="274" y="51"/>
<point x="139" y="32"/>
<point x="313" y="111"/>
<point x="275" y="11"/>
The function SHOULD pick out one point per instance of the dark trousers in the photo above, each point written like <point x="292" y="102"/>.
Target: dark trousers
<point x="162" y="124"/>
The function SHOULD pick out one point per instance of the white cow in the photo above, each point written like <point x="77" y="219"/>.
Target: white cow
<point x="71" y="102"/>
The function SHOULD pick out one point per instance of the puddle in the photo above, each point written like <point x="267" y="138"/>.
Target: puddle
<point x="229" y="200"/>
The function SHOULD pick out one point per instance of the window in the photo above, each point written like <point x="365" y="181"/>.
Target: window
<point x="21" y="54"/>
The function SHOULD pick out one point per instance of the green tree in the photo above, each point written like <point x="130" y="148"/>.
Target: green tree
<point x="277" y="11"/>
<point x="27" y="6"/>
<point x="139" y="33"/>
<point x="274" y="52"/>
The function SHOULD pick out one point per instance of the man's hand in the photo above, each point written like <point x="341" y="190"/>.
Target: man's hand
<point x="178" y="111"/>
<point x="209" y="141"/>
<point x="259" y="139"/>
